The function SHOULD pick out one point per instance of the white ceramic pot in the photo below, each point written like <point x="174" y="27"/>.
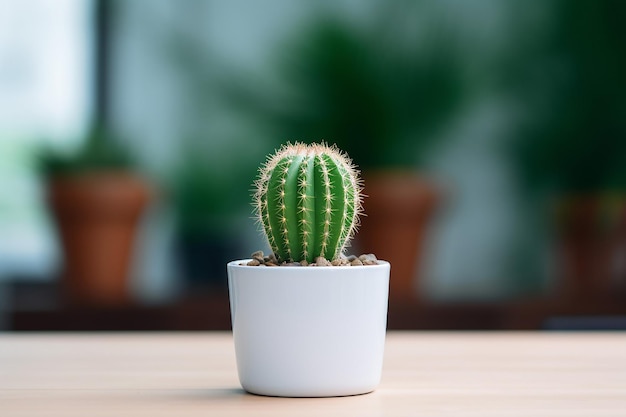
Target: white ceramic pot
<point x="309" y="331"/>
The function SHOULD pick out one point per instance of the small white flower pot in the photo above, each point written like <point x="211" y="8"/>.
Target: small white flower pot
<point x="309" y="331"/>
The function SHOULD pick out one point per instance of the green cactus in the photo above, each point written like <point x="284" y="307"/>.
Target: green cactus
<point x="308" y="200"/>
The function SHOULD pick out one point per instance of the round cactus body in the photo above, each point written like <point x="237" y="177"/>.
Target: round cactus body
<point x="308" y="200"/>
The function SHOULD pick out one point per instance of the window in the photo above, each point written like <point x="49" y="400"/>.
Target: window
<point x="45" y="101"/>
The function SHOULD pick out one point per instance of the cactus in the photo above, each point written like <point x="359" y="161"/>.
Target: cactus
<point x="308" y="200"/>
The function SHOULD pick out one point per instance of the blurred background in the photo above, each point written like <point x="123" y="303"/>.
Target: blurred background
<point x="491" y="135"/>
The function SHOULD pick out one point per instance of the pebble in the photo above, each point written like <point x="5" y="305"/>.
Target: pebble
<point x="368" y="257"/>
<point x="356" y="262"/>
<point x="254" y="262"/>
<point x="321" y="261"/>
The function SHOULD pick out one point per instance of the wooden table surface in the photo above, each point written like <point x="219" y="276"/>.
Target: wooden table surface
<point x="430" y="374"/>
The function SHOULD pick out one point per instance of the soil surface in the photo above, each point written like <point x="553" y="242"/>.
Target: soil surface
<point x="260" y="259"/>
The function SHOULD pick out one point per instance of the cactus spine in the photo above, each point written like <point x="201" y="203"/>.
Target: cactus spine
<point x="308" y="200"/>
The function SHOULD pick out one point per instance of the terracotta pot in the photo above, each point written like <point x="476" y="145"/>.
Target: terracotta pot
<point x="398" y="211"/>
<point x="97" y="216"/>
<point x="591" y="246"/>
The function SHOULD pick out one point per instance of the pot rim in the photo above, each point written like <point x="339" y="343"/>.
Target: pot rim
<point x="237" y="264"/>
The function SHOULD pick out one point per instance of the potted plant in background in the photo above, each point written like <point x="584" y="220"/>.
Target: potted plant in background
<point x="383" y="97"/>
<point x="206" y="213"/>
<point x="570" y="79"/>
<point x="307" y="321"/>
<point x="96" y="201"/>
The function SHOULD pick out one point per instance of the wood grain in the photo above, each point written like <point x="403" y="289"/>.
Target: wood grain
<point x="425" y="374"/>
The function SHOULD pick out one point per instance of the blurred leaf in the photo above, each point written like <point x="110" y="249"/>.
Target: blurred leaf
<point x="572" y="85"/>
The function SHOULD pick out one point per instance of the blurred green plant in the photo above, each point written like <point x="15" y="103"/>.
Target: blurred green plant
<point x="379" y="93"/>
<point x="217" y="156"/>
<point x="570" y="78"/>
<point x="208" y="194"/>
<point x="206" y="191"/>
<point x="99" y="152"/>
